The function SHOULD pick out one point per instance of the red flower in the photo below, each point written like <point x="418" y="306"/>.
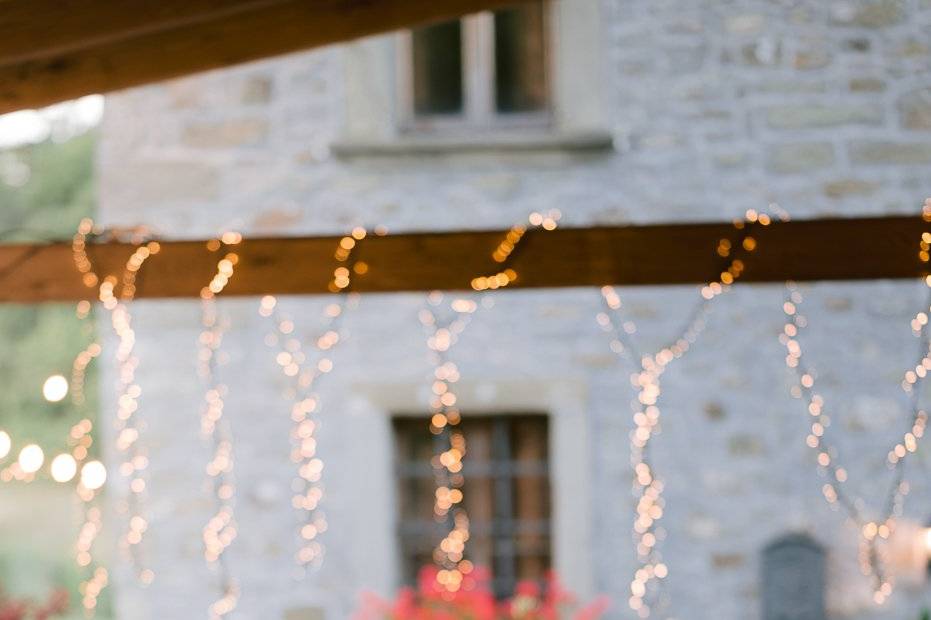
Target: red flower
<point x="475" y="601"/>
<point x="22" y="609"/>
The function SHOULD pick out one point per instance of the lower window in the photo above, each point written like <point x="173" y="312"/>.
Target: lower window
<point x="506" y="495"/>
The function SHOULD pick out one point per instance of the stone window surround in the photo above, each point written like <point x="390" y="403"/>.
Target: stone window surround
<point x="374" y="121"/>
<point x="565" y="402"/>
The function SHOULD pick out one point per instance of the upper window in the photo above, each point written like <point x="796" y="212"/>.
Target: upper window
<point x="506" y="495"/>
<point x="484" y="69"/>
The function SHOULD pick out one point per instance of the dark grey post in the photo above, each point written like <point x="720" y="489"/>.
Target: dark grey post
<point x="793" y="579"/>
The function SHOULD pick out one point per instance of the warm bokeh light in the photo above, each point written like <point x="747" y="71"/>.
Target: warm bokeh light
<point x="646" y="586"/>
<point x="114" y="293"/>
<point x="93" y="475"/>
<point x="31" y="458"/>
<point x="304" y="368"/>
<point x="220" y="530"/>
<point x="5" y="444"/>
<point x="872" y="530"/>
<point x="55" y="388"/>
<point x="64" y="467"/>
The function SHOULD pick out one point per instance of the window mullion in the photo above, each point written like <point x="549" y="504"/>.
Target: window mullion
<point x="479" y="57"/>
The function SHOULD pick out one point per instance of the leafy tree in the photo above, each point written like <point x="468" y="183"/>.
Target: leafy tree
<point x="45" y="190"/>
<point x="58" y="190"/>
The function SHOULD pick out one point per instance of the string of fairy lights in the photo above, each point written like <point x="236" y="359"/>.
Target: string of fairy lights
<point x="443" y="333"/>
<point x="115" y="293"/>
<point x="303" y="372"/>
<point x="646" y="593"/>
<point x="444" y="326"/>
<point x="871" y="531"/>
<point x="444" y="319"/>
<point x="220" y="530"/>
<point x="93" y="475"/>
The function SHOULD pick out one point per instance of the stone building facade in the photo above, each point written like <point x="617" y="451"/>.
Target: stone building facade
<point x="659" y="110"/>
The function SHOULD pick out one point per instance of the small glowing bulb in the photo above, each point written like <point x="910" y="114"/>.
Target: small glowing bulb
<point x="5" y="444"/>
<point x="93" y="475"/>
<point x="928" y="540"/>
<point x="64" y="467"/>
<point x="31" y="458"/>
<point x="55" y="388"/>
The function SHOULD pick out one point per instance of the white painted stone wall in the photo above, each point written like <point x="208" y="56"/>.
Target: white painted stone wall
<point x="715" y="107"/>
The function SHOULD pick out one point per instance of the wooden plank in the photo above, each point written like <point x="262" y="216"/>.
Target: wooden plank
<point x="825" y="249"/>
<point x="41" y="28"/>
<point x="62" y="50"/>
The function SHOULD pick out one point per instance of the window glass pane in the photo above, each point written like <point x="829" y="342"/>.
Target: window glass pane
<point x="507" y="496"/>
<point x="437" y="66"/>
<point x="520" y="63"/>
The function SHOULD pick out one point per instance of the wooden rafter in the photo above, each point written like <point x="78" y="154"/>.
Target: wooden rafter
<point x="824" y="249"/>
<point x="54" y="50"/>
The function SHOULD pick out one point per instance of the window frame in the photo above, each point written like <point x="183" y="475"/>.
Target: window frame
<point x="478" y="88"/>
<point x="504" y="473"/>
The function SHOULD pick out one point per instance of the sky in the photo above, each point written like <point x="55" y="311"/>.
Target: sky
<point x="58" y="122"/>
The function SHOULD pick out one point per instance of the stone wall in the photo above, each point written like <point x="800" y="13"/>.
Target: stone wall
<point x="715" y="107"/>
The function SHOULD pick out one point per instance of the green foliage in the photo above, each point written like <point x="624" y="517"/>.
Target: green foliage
<point x="58" y="189"/>
<point x="45" y="190"/>
<point x="42" y="340"/>
<point x="925" y="615"/>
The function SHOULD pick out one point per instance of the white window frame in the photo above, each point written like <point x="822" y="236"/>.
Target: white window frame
<point x="478" y="88"/>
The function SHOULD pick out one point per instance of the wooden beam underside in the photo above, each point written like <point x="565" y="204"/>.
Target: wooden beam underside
<point x="824" y="249"/>
<point x="55" y="50"/>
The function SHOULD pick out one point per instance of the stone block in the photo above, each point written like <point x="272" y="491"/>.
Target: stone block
<point x="725" y="561"/>
<point x="867" y="85"/>
<point x="857" y="44"/>
<point x="745" y="445"/>
<point x="714" y="411"/>
<point x="744" y="24"/>
<point x="256" y="89"/>
<point x="226" y="134"/>
<point x="815" y="116"/>
<point x="884" y="152"/>
<point x="880" y="14"/>
<point x="915" y="108"/>
<point x="869" y="14"/>
<point x="913" y="48"/>
<point x="813" y="58"/>
<point x="304" y="613"/>
<point x="731" y="161"/>
<point x="842" y="188"/>
<point x="799" y="157"/>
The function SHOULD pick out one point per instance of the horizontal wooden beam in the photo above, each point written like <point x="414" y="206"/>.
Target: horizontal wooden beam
<point x="824" y="249"/>
<point x="54" y="50"/>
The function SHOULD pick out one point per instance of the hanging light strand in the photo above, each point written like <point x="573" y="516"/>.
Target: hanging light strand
<point x="91" y="481"/>
<point x="303" y="373"/>
<point x="834" y="490"/>
<point x="80" y="439"/>
<point x="115" y="294"/>
<point x="220" y="530"/>
<point x="646" y="592"/>
<point x="503" y="254"/>
<point x="443" y="329"/>
<point x="449" y="441"/>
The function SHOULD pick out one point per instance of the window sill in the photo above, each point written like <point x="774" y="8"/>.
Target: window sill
<point x="590" y="143"/>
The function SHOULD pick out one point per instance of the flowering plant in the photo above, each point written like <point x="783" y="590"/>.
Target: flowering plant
<point x="475" y="601"/>
<point x="24" y="609"/>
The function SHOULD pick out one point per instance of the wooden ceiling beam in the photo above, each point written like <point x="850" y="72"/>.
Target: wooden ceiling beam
<point x="663" y="254"/>
<point x="55" y="50"/>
